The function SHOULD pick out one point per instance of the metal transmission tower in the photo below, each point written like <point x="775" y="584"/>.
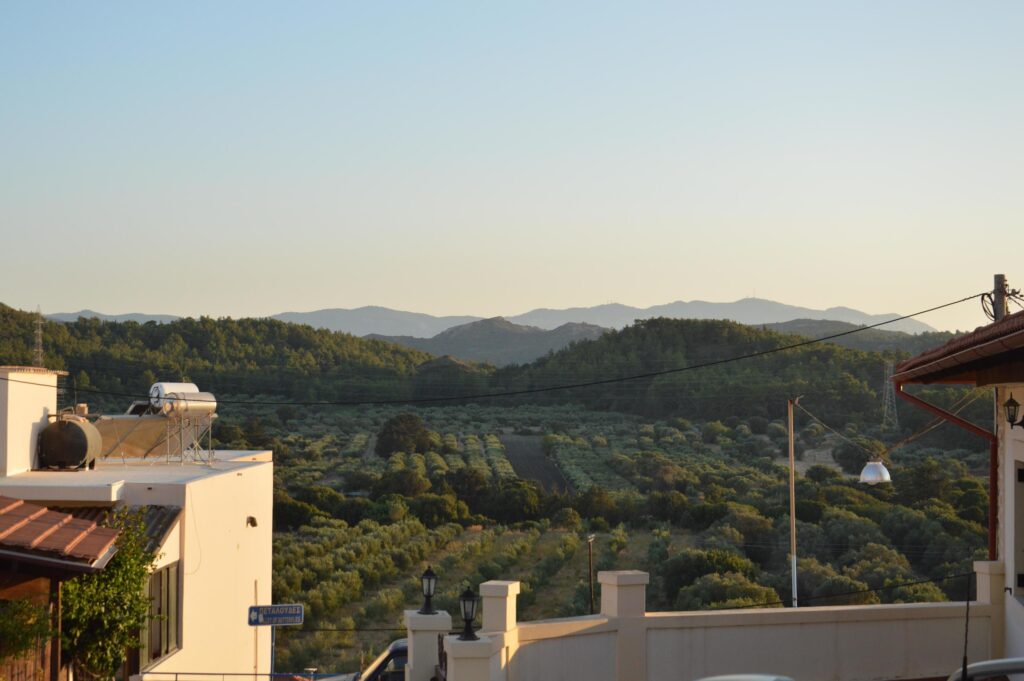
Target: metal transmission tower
<point x="37" y="353"/>
<point x="889" y="418"/>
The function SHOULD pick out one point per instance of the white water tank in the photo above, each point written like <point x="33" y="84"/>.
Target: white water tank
<point x="159" y="391"/>
<point x="189" y="404"/>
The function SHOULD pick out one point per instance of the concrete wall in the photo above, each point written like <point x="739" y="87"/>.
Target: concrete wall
<point x="624" y="643"/>
<point x="841" y="643"/>
<point x="225" y="567"/>
<point x="1011" y="526"/>
<point x="27" y="396"/>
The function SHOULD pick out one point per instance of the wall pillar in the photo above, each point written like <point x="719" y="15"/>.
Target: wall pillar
<point x="990" y="583"/>
<point x="499" y="605"/>
<point x="624" y="598"/>
<point x="423" y="631"/>
<point x="469" y="660"/>
<point x="499" y="619"/>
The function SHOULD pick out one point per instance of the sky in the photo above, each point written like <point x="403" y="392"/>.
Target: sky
<point x="247" y="158"/>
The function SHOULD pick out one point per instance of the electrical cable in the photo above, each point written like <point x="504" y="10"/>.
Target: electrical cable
<point x="935" y="580"/>
<point x="555" y="388"/>
<point x="836" y="432"/>
<point x="955" y="409"/>
<point x="966" y="400"/>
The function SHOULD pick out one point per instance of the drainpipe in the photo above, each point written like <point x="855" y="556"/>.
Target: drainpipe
<point x="993" y="459"/>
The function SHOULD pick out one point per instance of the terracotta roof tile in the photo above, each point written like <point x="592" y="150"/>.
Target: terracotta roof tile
<point x="157" y="520"/>
<point x="38" y="532"/>
<point x="1005" y="335"/>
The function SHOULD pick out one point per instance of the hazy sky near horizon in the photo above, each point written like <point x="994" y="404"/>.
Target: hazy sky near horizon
<point x="247" y="158"/>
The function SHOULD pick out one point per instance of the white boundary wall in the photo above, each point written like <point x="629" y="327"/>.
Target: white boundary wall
<point x="626" y="643"/>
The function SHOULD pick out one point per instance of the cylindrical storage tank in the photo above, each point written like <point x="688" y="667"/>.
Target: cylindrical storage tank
<point x="159" y="390"/>
<point x="189" y="404"/>
<point x="69" y="442"/>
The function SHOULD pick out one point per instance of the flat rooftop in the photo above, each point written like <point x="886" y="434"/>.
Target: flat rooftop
<point x="105" y="483"/>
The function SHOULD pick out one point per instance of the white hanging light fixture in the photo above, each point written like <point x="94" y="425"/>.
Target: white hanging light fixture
<point x="874" y="472"/>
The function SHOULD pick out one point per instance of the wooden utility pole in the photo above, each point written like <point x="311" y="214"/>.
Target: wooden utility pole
<point x="792" y="496"/>
<point x="590" y="571"/>
<point x="999" y="301"/>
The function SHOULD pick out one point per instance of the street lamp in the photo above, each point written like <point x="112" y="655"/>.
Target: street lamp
<point x="467" y="603"/>
<point x="428" y="581"/>
<point x="874" y="472"/>
<point x="1012" y="408"/>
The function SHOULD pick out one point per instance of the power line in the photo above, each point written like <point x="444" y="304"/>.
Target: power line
<point x="556" y="388"/>
<point x="935" y="580"/>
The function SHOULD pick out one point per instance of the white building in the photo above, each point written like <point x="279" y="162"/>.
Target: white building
<point x="213" y="527"/>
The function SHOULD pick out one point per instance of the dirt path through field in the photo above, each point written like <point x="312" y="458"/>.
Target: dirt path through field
<point x="526" y="454"/>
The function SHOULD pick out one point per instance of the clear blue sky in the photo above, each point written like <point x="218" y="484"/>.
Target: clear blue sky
<point x="482" y="158"/>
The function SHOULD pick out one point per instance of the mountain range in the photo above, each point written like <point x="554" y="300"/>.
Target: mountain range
<point x="139" y="317"/>
<point x="368" y="320"/>
<point x="498" y="341"/>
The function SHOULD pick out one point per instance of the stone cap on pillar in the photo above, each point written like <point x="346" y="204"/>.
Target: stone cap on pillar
<point x="439" y="621"/>
<point x="624" y="577"/>
<point x="990" y="567"/>
<point x="499" y="600"/>
<point x="623" y="592"/>
<point x="484" y="646"/>
<point x="497" y="588"/>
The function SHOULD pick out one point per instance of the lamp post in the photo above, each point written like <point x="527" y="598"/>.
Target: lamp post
<point x="792" y="496"/>
<point x="590" y="573"/>
<point x="467" y="603"/>
<point x="873" y="473"/>
<point x="428" y="580"/>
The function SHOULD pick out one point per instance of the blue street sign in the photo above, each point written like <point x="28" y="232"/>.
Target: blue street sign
<point x="275" y="615"/>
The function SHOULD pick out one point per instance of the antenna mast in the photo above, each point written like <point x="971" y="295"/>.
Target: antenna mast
<point x="889" y="418"/>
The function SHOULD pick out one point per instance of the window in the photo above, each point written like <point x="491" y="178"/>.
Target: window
<point x="160" y="637"/>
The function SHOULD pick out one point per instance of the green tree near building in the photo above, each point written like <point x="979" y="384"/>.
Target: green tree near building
<point x="103" y="613"/>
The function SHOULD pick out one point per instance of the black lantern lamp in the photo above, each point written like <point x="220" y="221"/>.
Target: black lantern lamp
<point x="429" y="582"/>
<point x="467" y="602"/>
<point x="1012" y="408"/>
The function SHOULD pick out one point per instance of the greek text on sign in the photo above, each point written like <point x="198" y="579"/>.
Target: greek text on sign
<point x="276" y="615"/>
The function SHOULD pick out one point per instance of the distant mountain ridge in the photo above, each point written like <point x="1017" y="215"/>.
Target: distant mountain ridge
<point x="364" y="321"/>
<point x="139" y="317"/>
<point x="751" y="311"/>
<point x="497" y="341"/>
<point x="373" y="319"/>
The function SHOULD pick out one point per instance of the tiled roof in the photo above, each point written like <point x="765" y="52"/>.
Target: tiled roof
<point x="157" y="520"/>
<point x="34" y="533"/>
<point x="1000" y="337"/>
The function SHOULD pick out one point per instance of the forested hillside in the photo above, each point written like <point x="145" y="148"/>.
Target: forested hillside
<point x="245" y="356"/>
<point x="295" y="362"/>
<point x="859" y="338"/>
<point x="843" y="384"/>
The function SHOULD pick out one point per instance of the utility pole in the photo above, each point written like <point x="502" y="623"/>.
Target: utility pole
<point x="792" y="496"/>
<point x="999" y="298"/>
<point x="590" y="550"/>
